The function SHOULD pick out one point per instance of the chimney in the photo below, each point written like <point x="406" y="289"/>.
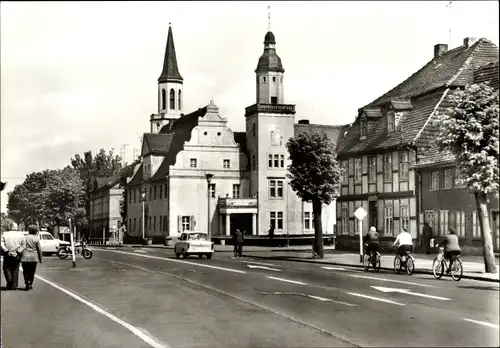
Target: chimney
<point x="469" y="41"/>
<point x="303" y="122"/>
<point x="439" y="49"/>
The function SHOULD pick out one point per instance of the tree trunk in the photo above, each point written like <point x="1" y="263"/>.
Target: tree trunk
<point x="484" y="223"/>
<point x="318" y="229"/>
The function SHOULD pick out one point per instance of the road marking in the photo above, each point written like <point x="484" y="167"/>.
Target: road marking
<point x="260" y="263"/>
<point x="110" y="248"/>
<point x="178" y="261"/>
<point x="143" y="336"/>
<point x="391" y="280"/>
<point x="330" y="300"/>
<point x="264" y="267"/>
<point x="287" y="280"/>
<point x="485" y="323"/>
<point x="334" y="268"/>
<point x="136" y="251"/>
<point x="376" y="298"/>
<point x="408" y="292"/>
<point x="322" y="299"/>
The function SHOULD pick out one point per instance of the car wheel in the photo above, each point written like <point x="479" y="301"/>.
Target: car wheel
<point x="184" y="255"/>
<point x="177" y="255"/>
<point x="200" y="256"/>
<point x="209" y="256"/>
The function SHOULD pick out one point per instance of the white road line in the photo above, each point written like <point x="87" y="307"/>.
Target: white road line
<point x="260" y="263"/>
<point x="330" y="300"/>
<point x="136" y="251"/>
<point x="334" y="268"/>
<point x="287" y="280"/>
<point x="174" y="260"/>
<point x="391" y="280"/>
<point x="264" y="267"/>
<point x="484" y="323"/>
<point x="376" y="298"/>
<point x="146" y="338"/>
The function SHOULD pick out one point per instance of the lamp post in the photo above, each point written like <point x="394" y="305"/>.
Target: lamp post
<point x="209" y="179"/>
<point x="143" y="200"/>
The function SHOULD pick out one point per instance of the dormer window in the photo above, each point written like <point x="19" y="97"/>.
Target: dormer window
<point x="363" y="126"/>
<point x="391" y="121"/>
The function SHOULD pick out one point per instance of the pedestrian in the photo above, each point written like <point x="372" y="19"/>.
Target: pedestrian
<point x="427" y="232"/>
<point x="12" y="244"/>
<point x="238" y="241"/>
<point x="31" y="255"/>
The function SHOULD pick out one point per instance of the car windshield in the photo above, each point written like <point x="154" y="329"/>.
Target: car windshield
<point x="198" y="236"/>
<point x="46" y="236"/>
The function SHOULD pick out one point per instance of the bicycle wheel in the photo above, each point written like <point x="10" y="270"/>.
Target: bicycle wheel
<point x="410" y="265"/>
<point x="397" y="264"/>
<point x="376" y="266"/>
<point x="456" y="269"/>
<point x="366" y="262"/>
<point x="437" y="268"/>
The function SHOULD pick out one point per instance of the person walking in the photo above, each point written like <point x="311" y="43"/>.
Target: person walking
<point x="427" y="233"/>
<point x="12" y="244"/>
<point x="238" y="241"/>
<point x="31" y="255"/>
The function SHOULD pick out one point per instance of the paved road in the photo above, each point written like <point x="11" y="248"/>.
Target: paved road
<point x="146" y="295"/>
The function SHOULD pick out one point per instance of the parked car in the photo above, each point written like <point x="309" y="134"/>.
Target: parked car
<point x="194" y="243"/>
<point x="49" y="244"/>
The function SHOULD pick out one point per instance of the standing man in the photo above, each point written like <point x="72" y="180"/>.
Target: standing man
<point x="13" y="244"/>
<point x="238" y="242"/>
<point x="427" y="233"/>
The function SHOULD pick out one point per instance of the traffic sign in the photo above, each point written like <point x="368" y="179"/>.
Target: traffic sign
<point x="360" y="213"/>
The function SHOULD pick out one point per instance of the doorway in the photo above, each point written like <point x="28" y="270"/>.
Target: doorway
<point x="243" y="222"/>
<point x="372" y="213"/>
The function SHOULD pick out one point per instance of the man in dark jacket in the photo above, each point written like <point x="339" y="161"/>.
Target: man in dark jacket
<point x="238" y="242"/>
<point x="427" y="232"/>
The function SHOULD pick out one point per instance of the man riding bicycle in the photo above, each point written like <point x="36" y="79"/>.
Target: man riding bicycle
<point x="451" y="247"/>
<point x="405" y="243"/>
<point x="371" y="239"/>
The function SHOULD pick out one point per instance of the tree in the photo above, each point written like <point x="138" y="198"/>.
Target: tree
<point x="470" y="131"/>
<point x="90" y="167"/>
<point x="7" y="223"/>
<point x="315" y="176"/>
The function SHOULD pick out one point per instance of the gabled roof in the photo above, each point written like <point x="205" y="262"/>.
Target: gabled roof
<point x="108" y="182"/>
<point x="401" y="104"/>
<point x="157" y="144"/>
<point x="138" y="177"/>
<point x="372" y="112"/>
<point x="488" y="73"/>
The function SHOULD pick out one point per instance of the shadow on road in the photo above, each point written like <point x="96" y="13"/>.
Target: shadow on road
<point x="4" y="288"/>
<point x="490" y="288"/>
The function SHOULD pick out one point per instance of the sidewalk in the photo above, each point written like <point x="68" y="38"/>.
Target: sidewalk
<point x="473" y="265"/>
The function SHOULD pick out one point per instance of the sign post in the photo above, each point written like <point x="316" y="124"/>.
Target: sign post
<point x="360" y="214"/>
<point x="72" y="243"/>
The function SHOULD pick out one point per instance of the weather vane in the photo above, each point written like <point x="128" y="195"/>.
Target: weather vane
<point x="269" y="16"/>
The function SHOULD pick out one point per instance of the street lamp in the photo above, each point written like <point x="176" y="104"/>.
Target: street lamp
<point x="143" y="200"/>
<point x="209" y="179"/>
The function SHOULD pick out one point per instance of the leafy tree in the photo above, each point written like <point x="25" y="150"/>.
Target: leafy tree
<point x="470" y="131"/>
<point x="126" y="173"/>
<point x="90" y="167"/>
<point x="7" y="223"/>
<point x="315" y="176"/>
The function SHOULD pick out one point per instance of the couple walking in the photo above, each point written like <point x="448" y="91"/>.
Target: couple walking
<point x="18" y="249"/>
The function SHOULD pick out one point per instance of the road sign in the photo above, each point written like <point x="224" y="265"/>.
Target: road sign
<point x="360" y="213"/>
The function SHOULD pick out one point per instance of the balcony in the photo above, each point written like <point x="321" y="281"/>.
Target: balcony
<point x="237" y="205"/>
<point x="270" y="109"/>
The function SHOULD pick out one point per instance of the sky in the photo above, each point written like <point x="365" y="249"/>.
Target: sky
<point x="78" y="76"/>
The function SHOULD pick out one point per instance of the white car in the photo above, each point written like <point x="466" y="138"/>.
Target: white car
<point x="49" y="244"/>
<point x="194" y="243"/>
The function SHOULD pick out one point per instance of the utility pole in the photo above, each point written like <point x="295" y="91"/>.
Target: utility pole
<point x="450" y="17"/>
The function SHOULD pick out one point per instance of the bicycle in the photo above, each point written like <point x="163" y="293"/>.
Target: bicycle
<point x="407" y="262"/>
<point x="372" y="259"/>
<point x="455" y="265"/>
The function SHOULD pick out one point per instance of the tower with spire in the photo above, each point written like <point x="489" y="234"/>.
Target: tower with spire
<point x="170" y="89"/>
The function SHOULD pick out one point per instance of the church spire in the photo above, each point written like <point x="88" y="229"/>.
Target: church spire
<point x="170" y="72"/>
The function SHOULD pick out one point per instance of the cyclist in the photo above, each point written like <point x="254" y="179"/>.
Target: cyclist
<point x="405" y="243"/>
<point x="371" y="239"/>
<point x="451" y="247"/>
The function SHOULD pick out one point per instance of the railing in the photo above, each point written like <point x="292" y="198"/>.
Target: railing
<point x="237" y="202"/>
<point x="270" y="108"/>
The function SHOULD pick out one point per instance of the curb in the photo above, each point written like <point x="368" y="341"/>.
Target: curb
<point x="421" y="271"/>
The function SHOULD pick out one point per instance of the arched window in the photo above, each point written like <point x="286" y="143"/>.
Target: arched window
<point x="163" y="99"/>
<point x="179" y="102"/>
<point x="172" y="99"/>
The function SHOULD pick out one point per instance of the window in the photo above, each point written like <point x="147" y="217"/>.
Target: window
<point x="165" y="227"/>
<point x="372" y="169"/>
<point x="161" y="191"/>
<point x="165" y="190"/>
<point x="264" y="79"/>
<point x="236" y="190"/>
<point x="403" y="166"/>
<point x="356" y="224"/>
<point x="130" y="197"/>
<point x="226" y="164"/>
<point x="404" y="217"/>
<point x="253" y="129"/>
<point x="276" y="219"/>
<point x="163" y="99"/>
<point x="274" y="100"/>
<point x="390" y="121"/>
<point x="276" y="188"/>
<point x="270" y="164"/>
<point x="154" y="193"/>
<point x="459" y="182"/>
<point x="276" y="161"/>
<point x="435" y="180"/>
<point x="212" y="190"/>
<point x="179" y="100"/>
<point x="448" y="179"/>
<point x="388" y="221"/>
<point x="186" y="223"/>
<point x="193" y="163"/>
<point x="363" y="124"/>
<point x="135" y="220"/>
<point x="254" y="162"/>
<point x="134" y="196"/>
<point x="154" y="223"/>
<point x="172" y="99"/>
<point x="274" y="78"/>
<point x="150" y="193"/>
<point x="357" y="170"/>
<point x="345" y="220"/>
<point x="388" y="167"/>
<point x="345" y="167"/>
<point x="282" y="161"/>
<point x="149" y="223"/>
<point x="307" y="220"/>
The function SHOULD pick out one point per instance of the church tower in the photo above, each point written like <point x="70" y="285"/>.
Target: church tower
<point x="269" y="125"/>
<point x="170" y="93"/>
